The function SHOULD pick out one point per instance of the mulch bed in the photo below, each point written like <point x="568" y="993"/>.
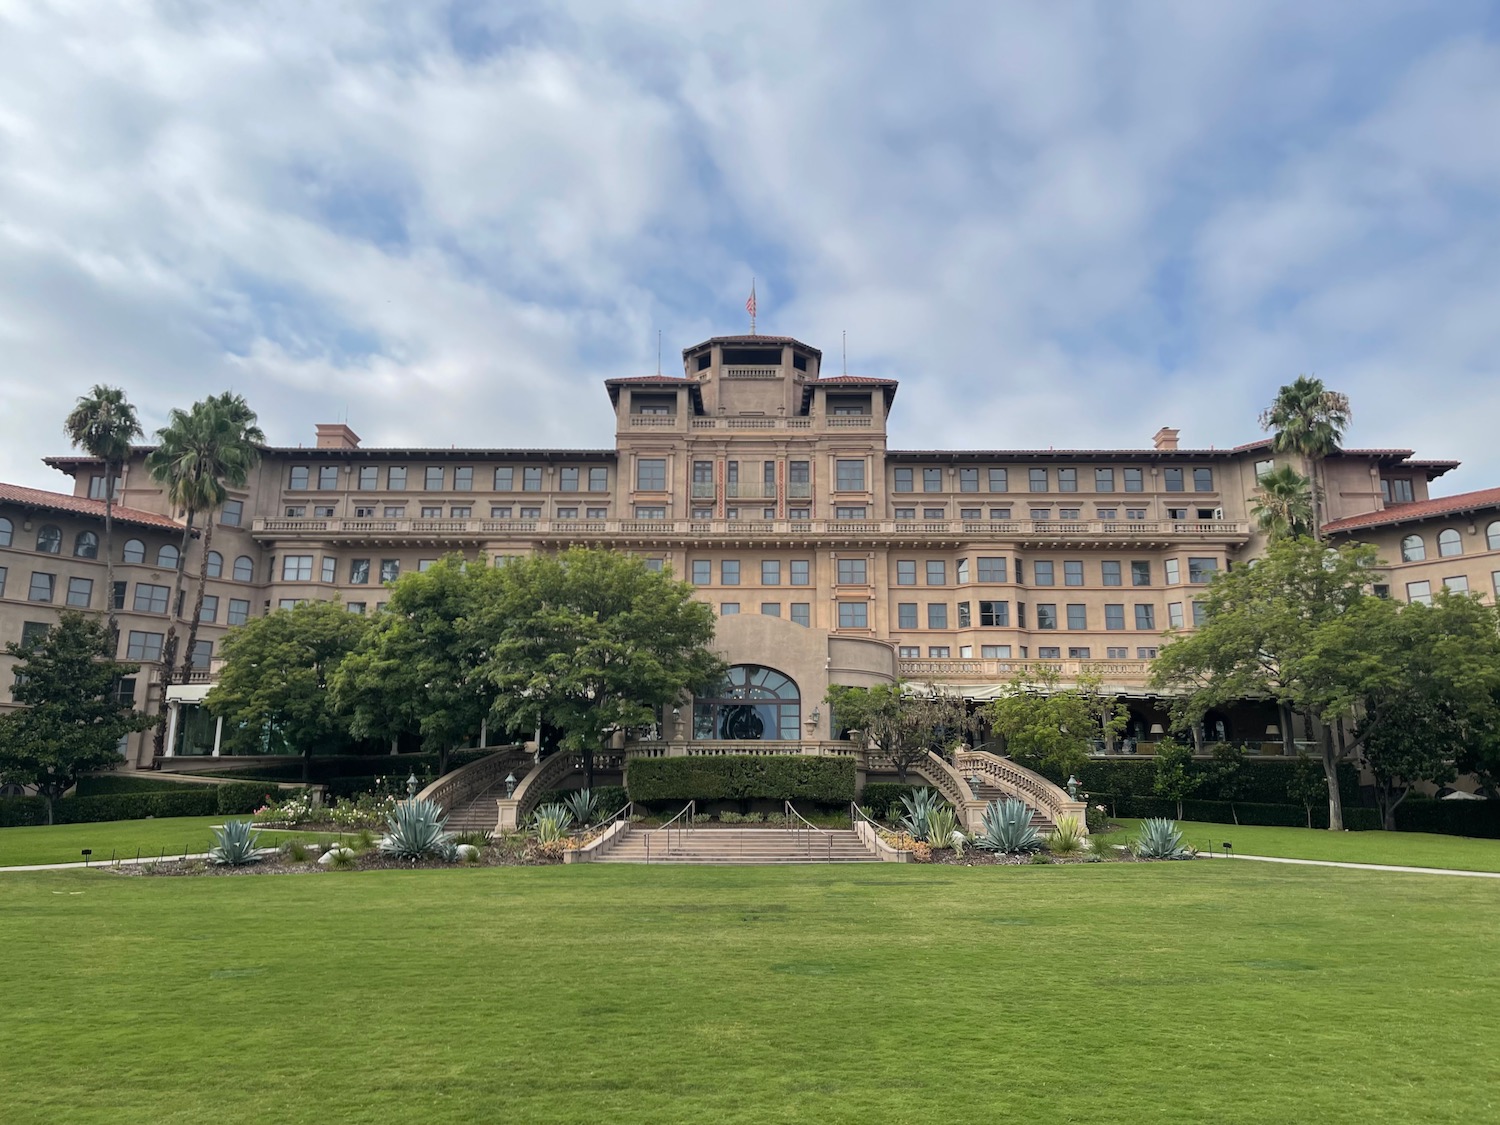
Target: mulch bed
<point x="371" y="860"/>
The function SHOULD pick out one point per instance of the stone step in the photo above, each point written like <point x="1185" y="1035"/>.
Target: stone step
<point x="739" y="846"/>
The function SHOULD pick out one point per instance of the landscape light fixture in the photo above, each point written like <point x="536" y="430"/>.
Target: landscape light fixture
<point x="510" y="785"/>
<point x="1228" y="848"/>
<point x="1072" y="784"/>
<point x="411" y="784"/>
<point x="974" y="784"/>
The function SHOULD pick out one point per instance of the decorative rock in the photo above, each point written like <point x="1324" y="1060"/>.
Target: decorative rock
<point x="327" y="858"/>
<point x="466" y="851"/>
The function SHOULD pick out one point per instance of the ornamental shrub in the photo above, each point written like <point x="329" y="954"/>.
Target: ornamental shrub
<point x="883" y="799"/>
<point x="741" y="777"/>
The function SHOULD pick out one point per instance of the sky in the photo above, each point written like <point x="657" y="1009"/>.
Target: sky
<point x="1059" y="224"/>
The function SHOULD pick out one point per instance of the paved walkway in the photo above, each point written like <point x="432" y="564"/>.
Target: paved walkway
<point x="173" y="858"/>
<point x="1356" y="866"/>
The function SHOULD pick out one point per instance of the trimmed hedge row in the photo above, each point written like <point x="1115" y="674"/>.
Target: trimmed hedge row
<point x="189" y="800"/>
<point x="1223" y="812"/>
<point x="323" y="770"/>
<point x="1449" y="818"/>
<point x="102" y="784"/>
<point x="878" y="798"/>
<point x="1266" y="782"/>
<point x="741" y="777"/>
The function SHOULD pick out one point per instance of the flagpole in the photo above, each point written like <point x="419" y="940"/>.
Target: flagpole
<point x="751" y="304"/>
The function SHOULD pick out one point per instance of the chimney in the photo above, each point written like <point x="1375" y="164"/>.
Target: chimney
<point x="336" y="435"/>
<point x="1165" y="439"/>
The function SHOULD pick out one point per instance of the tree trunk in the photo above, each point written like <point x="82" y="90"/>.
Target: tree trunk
<point x="1288" y="736"/>
<point x="588" y="769"/>
<point x="1331" y="756"/>
<point x="192" y="636"/>
<point x="443" y="760"/>
<point x="109" y="556"/>
<point x="47" y="796"/>
<point x="1179" y="808"/>
<point x="1309" y="815"/>
<point x="1317" y="506"/>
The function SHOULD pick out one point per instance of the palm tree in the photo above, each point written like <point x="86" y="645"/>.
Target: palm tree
<point x="103" y="425"/>
<point x="199" y="453"/>
<point x="1309" y="421"/>
<point x="1283" y="503"/>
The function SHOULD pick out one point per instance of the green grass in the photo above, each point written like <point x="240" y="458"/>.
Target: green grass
<point x="1405" y="849"/>
<point x="62" y="843"/>
<point x="1207" y="991"/>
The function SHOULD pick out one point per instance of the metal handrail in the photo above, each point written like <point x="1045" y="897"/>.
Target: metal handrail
<point x="790" y="812"/>
<point x="607" y="821"/>
<point x="690" y="810"/>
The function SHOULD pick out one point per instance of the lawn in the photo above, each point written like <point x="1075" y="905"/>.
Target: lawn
<point x="62" y="843"/>
<point x="1207" y="991"/>
<point x="1407" y="849"/>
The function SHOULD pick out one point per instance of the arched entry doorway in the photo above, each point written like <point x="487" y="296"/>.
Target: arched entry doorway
<point x="751" y="703"/>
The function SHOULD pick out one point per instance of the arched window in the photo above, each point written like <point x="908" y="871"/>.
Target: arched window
<point x="86" y="545"/>
<point x="751" y="703"/>
<point x="1491" y="535"/>
<point x="166" y="557"/>
<point x="49" y="539"/>
<point x="244" y="569"/>
<point x="135" y="551"/>
<point x="1449" y="543"/>
<point x="7" y="529"/>
<point x="213" y="565"/>
<point x="1413" y="549"/>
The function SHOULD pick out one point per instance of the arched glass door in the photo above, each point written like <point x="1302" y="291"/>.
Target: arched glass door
<point x="750" y="704"/>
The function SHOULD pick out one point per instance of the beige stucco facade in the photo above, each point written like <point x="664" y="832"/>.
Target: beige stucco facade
<point x="770" y="488"/>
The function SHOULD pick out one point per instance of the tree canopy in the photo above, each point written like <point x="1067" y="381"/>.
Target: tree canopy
<point x="74" y="716"/>
<point x="901" y="721"/>
<point x="1046" y="727"/>
<point x="1309" y="420"/>
<point x="103" y="424"/>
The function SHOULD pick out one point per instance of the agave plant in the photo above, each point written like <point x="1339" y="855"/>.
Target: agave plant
<point x="1006" y="827"/>
<point x="551" y="822"/>
<point x="1160" y="839"/>
<point x="583" y="805"/>
<point x="920" y="805"/>
<point x="941" y="825"/>
<point x="415" y="831"/>
<point x="1066" y="838"/>
<point x="236" y="844"/>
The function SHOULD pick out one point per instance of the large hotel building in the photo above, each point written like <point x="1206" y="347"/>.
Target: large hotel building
<point x="769" y="486"/>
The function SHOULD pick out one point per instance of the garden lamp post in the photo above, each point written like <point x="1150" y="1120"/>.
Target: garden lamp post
<point x="510" y="786"/>
<point x="974" y="784"/>
<point x="411" y="785"/>
<point x="1072" y="788"/>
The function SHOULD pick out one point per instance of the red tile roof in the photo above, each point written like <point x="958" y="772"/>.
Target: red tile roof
<point x="1420" y="510"/>
<point x="650" y="379"/>
<point x="855" y="379"/>
<point x="80" y="506"/>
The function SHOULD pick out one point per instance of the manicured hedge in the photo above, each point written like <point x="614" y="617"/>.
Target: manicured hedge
<point x="199" y="800"/>
<point x="1450" y="818"/>
<point x="740" y="778"/>
<point x="1248" y="812"/>
<point x="612" y="798"/>
<point x="102" y="784"/>
<point x="348" y="767"/>
<point x="1266" y="782"/>
<point x="878" y="798"/>
<point x="235" y="798"/>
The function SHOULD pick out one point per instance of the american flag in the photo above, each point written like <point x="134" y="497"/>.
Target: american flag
<point x="750" y="301"/>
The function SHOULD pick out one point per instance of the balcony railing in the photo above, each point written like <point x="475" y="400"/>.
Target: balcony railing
<point x="751" y="490"/>
<point x="1110" y="671"/>
<point x="653" y="421"/>
<point x="957" y="531"/>
<point x="752" y="372"/>
<point x="754" y="423"/>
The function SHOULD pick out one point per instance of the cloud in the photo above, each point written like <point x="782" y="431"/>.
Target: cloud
<point x="1059" y="225"/>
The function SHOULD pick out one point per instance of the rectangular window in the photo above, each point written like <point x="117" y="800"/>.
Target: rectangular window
<point x="937" y="615"/>
<point x="1021" y="619"/>
<point x="770" y="609"/>
<point x="1114" y="617"/>
<point x="999" y="480"/>
<point x="906" y="572"/>
<point x="294" y="511"/>
<point x="964" y="618"/>
<point x="970" y="513"/>
<point x="1134" y="480"/>
<point x="852" y="572"/>
<point x="1104" y="480"/>
<point x="999" y="513"/>
<point x="297" y="479"/>
<point x="232" y="514"/>
<point x="1140" y="572"/>
<point x="1172" y="480"/>
<point x="1200" y="615"/>
<point x="1174" y="615"/>
<point x="906" y="513"/>
<point x="800" y="473"/>
<point x="1203" y="480"/>
<point x="1106" y="513"/>
<point x="1109" y="572"/>
<point x="729" y="572"/>
<point x="596" y="513"/>
<point x="1073" y="572"/>
<point x="799" y="514"/>
<point x="118" y="600"/>
<point x="934" y="513"/>
<point x="937" y="572"/>
<point x="531" y="478"/>
<point x="903" y="481"/>
<point x="655" y="566"/>
<point x="1067" y="480"/>
<point x="210" y="610"/>
<point x="909" y="652"/>
<point x="651" y="474"/>
<point x="1078" y="616"/>
<point x="801" y="570"/>
<point x="1419" y="592"/>
<point x="463" y="478"/>
<point x="505" y="479"/>
<point x="961" y="572"/>
<point x="369" y="478"/>
<point x="849" y="475"/>
<point x="906" y="615"/>
<point x="239" y="611"/>
<point x="80" y="592"/>
<point x="1040" y="513"/>
<point x="359" y="571"/>
<point x="770" y="572"/>
<point x="328" y="478"/>
<point x="932" y="480"/>
<point x="501" y="512"/>
<point x="599" y="479"/>
<point x="1038" y="478"/>
<point x="802" y="614"/>
<point x="1116" y="653"/>
<point x="1145" y="616"/>
<point x="202" y="654"/>
<point x="390" y="570"/>
<point x="567" y="480"/>
<point x="1459" y="584"/>
<point x="1173" y="571"/>
<point x="1135" y="513"/>
<point x="294" y="568"/>
<point x="994" y="614"/>
<point x="854" y="615"/>
<point x="569" y="513"/>
<point x="1146" y="653"/>
<point x="424" y="565"/>
<point x="1046" y="615"/>
<point x="729" y="609"/>
<point x="1202" y="570"/>
<point x="433" y="481"/>
<point x="1401" y="491"/>
<point x="991" y="570"/>
<point x="995" y="652"/>
<point x="324" y="511"/>
<point x="330" y="568"/>
<point x="939" y="652"/>
<point x="3" y="573"/>
<point x="356" y="608"/>
<point x="1042" y="574"/>
<point x="855" y="512"/>
<point x="462" y="511"/>
<point x="642" y="512"/>
<point x="364" y="513"/>
<point x="968" y="480"/>
<point x="703" y="572"/>
<point x="143" y="646"/>
<point x="395" y="478"/>
<point x="153" y="599"/>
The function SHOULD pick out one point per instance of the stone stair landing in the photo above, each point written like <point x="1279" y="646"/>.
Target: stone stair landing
<point x="739" y="847"/>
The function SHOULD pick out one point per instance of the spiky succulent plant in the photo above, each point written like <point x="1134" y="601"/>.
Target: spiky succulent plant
<point x="1066" y="838"/>
<point x="1160" y="839"/>
<point x="920" y="805"/>
<point x="583" y="805"/>
<point x="235" y="844"/>
<point x="1006" y="827"/>
<point x="551" y="822"/>
<point x="415" y="830"/>
<point x="941" y="825"/>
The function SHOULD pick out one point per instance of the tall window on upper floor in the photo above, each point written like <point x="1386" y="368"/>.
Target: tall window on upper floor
<point x="932" y="480"/>
<point x="1172" y="480"/>
<point x="213" y="565"/>
<point x="244" y="569"/>
<point x="1262" y="468"/>
<point x="463" y="478"/>
<point x="849" y="475"/>
<point x="1492" y="536"/>
<point x="395" y="478"/>
<point x="1067" y="480"/>
<point x="1203" y="480"/>
<point x="297" y="479"/>
<point x="433" y="482"/>
<point x="968" y="480"/>
<point x="1413" y="549"/>
<point x="567" y="479"/>
<point x="86" y="545"/>
<point x="1134" y="480"/>
<point x="328" y="478"/>
<point x="903" y="481"/>
<point x="134" y="551"/>
<point x="531" y="479"/>
<point x="167" y="557"/>
<point x="651" y="474"/>
<point x="369" y="478"/>
<point x="1401" y="491"/>
<point x="1104" y="480"/>
<point x="1038" y="479"/>
<point x="1450" y="543"/>
<point x="999" y="480"/>
<point x="599" y="479"/>
<point x="232" y="514"/>
<point x="49" y="539"/>
<point x="505" y="479"/>
<point x="7" y="531"/>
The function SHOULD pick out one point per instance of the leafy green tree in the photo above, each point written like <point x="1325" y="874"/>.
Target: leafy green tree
<point x="902" y="722"/>
<point x="1107" y="710"/>
<point x="1309" y="420"/>
<point x="1261" y="629"/>
<point x="1283" y="504"/>
<point x="423" y="664"/>
<point x="199" y="452"/>
<point x="1229" y="776"/>
<point x="1174" y="777"/>
<point x="277" y="677"/>
<point x="73" y="719"/>
<point x="590" y="641"/>
<point x="1045" y="727"/>
<point x="1306" y="786"/>
<point x="103" y="424"/>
